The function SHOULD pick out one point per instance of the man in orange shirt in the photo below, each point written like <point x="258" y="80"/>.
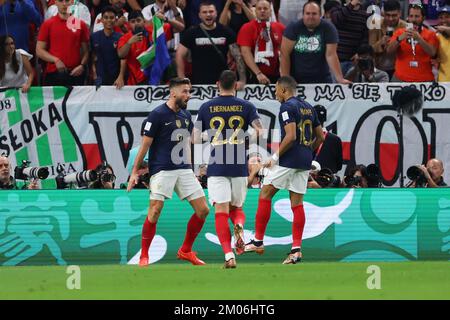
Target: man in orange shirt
<point x="415" y="46"/>
<point x="63" y="42"/>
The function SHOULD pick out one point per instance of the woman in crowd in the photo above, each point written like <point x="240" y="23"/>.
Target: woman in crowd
<point x="15" y="66"/>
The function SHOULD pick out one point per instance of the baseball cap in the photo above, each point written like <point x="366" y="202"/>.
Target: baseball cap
<point x="444" y="9"/>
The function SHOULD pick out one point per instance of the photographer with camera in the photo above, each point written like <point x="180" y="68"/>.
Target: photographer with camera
<point x="429" y="176"/>
<point x="8" y="182"/>
<point x="364" y="67"/>
<point x="105" y="177"/>
<point x="16" y="19"/>
<point x="379" y="37"/>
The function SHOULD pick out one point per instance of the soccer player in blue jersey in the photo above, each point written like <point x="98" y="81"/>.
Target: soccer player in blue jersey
<point x="301" y="134"/>
<point x="167" y="138"/>
<point x="226" y="119"/>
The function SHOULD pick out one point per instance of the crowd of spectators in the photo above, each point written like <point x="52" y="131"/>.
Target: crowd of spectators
<point x="97" y="42"/>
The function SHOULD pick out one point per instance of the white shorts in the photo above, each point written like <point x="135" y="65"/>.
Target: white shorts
<point x="227" y="189"/>
<point x="182" y="181"/>
<point x="295" y="180"/>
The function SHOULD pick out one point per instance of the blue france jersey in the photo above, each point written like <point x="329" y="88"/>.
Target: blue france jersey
<point x="299" y="155"/>
<point x="169" y="130"/>
<point x="226" y="119"/>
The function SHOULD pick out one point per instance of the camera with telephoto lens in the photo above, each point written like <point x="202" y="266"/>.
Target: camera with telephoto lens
<point x="373" y="176"/>
<point x="24" y="172"/>
<point x="104" y="176"/>
<point x="81" y="179"/>
<point x="415" y="174"/>
<point x="352" y="181"/>
<point x="327" y="179"/>
<point x="365" y="64"/>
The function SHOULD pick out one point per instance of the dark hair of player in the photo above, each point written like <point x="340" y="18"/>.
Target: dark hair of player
<point x="227" y="80"/>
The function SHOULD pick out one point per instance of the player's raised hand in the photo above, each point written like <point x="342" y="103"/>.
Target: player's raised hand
<point x="134" y="179"/>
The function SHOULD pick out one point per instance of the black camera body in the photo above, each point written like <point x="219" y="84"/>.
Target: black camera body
<point x="415" y="174"/>
<point x="24" y="172"/>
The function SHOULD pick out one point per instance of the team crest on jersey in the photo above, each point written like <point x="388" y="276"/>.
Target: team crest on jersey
<point x="178" y="123"/>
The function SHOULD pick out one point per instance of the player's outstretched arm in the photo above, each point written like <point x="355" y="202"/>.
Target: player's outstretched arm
<point x="143" y="149"/>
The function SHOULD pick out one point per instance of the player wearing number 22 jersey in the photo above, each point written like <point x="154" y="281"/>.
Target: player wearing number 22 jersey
<point x="226" y="119"/>
<point x="301" y="133"/>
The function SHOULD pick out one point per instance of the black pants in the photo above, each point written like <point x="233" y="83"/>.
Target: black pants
<point x="63" y="79"/>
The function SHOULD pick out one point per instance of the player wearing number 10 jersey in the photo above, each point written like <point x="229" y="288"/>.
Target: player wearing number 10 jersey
<point x="226" y="119"/>
<point x="301" y="133"/>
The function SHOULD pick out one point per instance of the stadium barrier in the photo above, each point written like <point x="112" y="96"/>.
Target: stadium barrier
<point x="80" y="126"/>
<point x="103" y="227"/>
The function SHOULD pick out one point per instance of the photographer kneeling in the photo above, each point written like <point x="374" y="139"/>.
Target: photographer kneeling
<point x="427" y="177"/>
<point x="364" y="69"/>
<point x="105" y="177"/>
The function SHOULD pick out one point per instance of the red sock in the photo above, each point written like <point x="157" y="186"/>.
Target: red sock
<point x="262" y="217"/>
<point x="223" y="231"/>
<point x="148" y="232"/>
<point x="194" y="227"/>
<point x="297" y="226"/>
<point x="237" y="216"/>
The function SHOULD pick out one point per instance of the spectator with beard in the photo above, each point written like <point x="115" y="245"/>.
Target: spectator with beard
<point x="414" y="47"/>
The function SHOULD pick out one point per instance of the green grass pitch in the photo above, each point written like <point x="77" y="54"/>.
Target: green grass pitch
<point x="272" y="281"/>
